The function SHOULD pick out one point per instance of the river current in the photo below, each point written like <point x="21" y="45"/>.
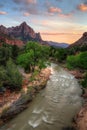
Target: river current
<point x="54" y="107"/>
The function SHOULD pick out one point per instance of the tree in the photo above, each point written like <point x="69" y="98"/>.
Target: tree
<point x="83" y="60"/>
<point x="13" y="75"/>
<point x="15" y="51"/>
<point x="5" y="53"/>
<point x="84" y="82"/>
<point x="61" y="54"/>
<point x="78" y="61"/>
<point x="3" y="76"/>
<point x="72" y="61"/>
<point x="26" y="60"/>
<point x="34" y="55"/>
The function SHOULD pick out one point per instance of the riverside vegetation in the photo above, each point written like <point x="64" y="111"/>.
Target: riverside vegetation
<point x="30" y="56"/>
<point x="33" y="57"/>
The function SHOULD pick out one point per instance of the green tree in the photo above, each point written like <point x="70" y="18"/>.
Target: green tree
<point x="5" y="53"/>
<point x="61" y="54"/>
<point x="13" y="75"/>
<point x="72" y="61"/>
<point x="15" y="51"/>
<point x="77" y="61"/>
<point x="83" y="60"/>
<point x="84" y="82"/>
<point x="34" y="55"/>
<point x="3" y="76"/>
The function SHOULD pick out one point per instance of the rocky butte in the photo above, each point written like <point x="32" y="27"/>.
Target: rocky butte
<point x="23" y="33"/>
<point x="18" y="35"/>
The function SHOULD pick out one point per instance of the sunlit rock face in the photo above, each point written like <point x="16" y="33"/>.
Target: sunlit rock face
<point x="81" y="42"/>
<point x="23" y="32"/>
<point x="20" y="34"/>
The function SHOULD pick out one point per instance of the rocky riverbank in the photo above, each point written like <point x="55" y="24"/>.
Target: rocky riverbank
<point x="80" y="120"/>
<point x="30" y="88"/>
<point x="81" y="117"/>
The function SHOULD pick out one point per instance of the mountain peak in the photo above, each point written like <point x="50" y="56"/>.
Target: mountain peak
<point x="22" y="32"/>
<point x="3" y="29"/>
<point x="85" y="34"/>
<point x="24" y="24"/>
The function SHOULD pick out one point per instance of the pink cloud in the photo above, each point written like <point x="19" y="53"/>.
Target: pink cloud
<point x="54" y="10"/>
<point x="65" y="15"/>
<point x="47" y="33"/>
<point x="82" y="7"/>
<point x="3" y="13"/>
<point x="26" y="14"/>
<point x="31" y="1"/>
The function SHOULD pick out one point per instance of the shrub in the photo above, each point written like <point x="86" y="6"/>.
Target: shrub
<point x="14" y="77"/>
<point x="3" y="76"/>
<point x="72" y="62"/>
<point x="77" y="61"/>
<point x="84" y="82"/>
<point x="83" y="60"/>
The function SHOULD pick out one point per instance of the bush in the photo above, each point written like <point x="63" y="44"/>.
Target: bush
<point x="72" y="62"/>
<point x="83" y="60"/>
<point x="10" y="76"/>
<point x="77" y="61"/>
<point x="14" y="77"/>
<point x="3" y="76"/>
<point x="84" y="82"/>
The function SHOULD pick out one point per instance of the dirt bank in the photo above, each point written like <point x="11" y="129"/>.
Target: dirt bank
<point x="20" y="101"/>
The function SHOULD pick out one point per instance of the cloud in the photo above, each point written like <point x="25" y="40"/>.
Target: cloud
<point x="3" y="13"/>
<point x="26" y="14"/>
<point x="82" y="7"/>
<point x="54" y="10"/>
<point x="25" y="1"/>
<point x="29" y="10"/>
<point x="47" y="33"/>
<point x="27" y="7"/>
<point x="31" y="1"/>
<point x="68" y="15"/>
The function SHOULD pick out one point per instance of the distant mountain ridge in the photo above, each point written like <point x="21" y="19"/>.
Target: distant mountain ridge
<point x="19" y="35"/>
<point x="57" y="45"/>
<point x="81" y="42"/>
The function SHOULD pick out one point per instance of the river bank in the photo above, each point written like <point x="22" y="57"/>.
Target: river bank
<point x="17" y="102"/>
<point x="80" y="120"/>
<point x="60" y="99"/>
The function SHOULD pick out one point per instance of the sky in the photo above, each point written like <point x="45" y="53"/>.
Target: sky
<point x="56" y="20"/>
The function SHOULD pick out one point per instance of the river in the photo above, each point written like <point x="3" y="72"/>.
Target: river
<point x="54" y="107"/>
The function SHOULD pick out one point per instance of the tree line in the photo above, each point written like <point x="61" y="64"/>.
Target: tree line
<point x="34" y="56"/>
<point x="31" y="56"/>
